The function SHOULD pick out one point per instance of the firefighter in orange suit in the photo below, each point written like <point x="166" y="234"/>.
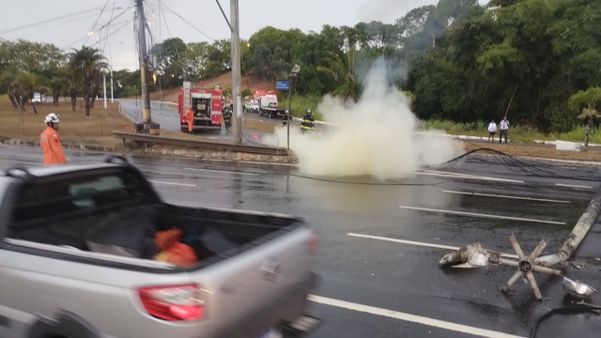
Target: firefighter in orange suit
<point x="50" y="142"/>
<point x="190" y="119"/>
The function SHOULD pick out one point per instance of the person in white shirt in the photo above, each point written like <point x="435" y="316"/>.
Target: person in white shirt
<point x="492" y="129"/>
<point x="504" y="127"/>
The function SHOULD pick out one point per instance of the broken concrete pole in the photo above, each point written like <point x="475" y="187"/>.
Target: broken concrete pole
<point x="580" y="230"/>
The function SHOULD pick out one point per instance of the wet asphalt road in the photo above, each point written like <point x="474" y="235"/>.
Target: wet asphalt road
<point x="395" y="289"/>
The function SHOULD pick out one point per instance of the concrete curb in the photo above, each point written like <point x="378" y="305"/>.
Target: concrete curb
<point x="78" y="146"/>
<point x="204" y="154"/>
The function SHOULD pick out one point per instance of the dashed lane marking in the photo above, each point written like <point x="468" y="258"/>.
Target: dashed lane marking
<point x="504" y="196"/>
<point x="473" y="214"/>
<point x="415" y="243"/>
<point x="407" y="317"/>
<point x="173" y="183"/>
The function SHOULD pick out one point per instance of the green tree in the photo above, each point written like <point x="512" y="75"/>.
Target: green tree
<point x="87" y="65"/>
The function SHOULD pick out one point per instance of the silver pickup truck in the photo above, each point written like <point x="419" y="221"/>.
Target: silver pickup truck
<point x="76" y="261"/>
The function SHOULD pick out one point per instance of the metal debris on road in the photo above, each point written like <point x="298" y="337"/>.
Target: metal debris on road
<point x="470" y="256"/>
<point x="526" y="266"/>
<point x="577" y="289"/>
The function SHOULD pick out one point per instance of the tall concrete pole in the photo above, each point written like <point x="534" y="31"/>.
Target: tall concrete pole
<point x="143" y="59"/>
<point x="104" y="87"/>
<point x="112" y="96"/>
<point x="237" y="120"/>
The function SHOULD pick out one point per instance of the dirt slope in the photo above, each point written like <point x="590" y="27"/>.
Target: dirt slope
<point x="251" y="82"/>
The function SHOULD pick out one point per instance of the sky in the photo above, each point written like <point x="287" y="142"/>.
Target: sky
<point x="70" y="24"/>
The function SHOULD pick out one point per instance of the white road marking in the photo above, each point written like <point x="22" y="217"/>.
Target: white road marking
<point x="424" y="244"/>
<point x="407" y="317"/>
<point x="464" y="176"/>
<point x="504" y="196"/>
<point x="574" y="186"/>
<point x="222" y="171"/>
<point x="173" y="183"/>
<point x="463" y="213"/>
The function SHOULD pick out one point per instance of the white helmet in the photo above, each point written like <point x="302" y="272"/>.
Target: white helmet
<point x="52" y="118"/>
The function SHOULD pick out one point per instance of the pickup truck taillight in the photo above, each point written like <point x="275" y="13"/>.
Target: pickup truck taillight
<point x="174" y="302"/>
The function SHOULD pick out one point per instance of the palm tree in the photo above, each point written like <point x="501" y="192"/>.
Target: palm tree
<point x="340" y="68"/>
<point x="87" y="65"/>
<point x="586" y="102"/>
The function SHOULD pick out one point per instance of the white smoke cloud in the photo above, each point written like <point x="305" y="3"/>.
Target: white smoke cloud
<point x="375" y="136"/>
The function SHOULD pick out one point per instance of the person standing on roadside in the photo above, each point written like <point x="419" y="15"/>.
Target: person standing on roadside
<point x="50" y="142"/>
<point x="190" y="120"/>
<point x="503" y="127"/>
<point x="492" y="130"/>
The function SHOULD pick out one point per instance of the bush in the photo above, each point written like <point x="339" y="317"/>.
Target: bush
<point x="300" y="104"/>
<point x="246" y="92"/>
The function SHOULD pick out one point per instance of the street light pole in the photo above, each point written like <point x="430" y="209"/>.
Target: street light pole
<point x="104" y="87"/>
<point x="112" y="97"/>
<point x="294" y="72"/>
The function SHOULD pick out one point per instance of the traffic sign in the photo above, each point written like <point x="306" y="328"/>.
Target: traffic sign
<point x="282" y="85"/>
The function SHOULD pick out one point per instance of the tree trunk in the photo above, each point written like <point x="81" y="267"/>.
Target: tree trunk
<point x="13" y="100"/>
<point x="87" y="100"/>
<point x="73" y="101"/>
<point x="22" y="101"/>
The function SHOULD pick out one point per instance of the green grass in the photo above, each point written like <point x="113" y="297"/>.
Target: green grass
<point x="522" y="134"/>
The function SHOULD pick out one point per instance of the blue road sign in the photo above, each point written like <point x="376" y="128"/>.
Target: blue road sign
<point x="282" y="85"/>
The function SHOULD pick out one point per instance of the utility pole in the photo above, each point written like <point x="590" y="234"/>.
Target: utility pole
<point x="237" y="120"/>
<point x="143" y="59"/>
<point x="112" y="97"/>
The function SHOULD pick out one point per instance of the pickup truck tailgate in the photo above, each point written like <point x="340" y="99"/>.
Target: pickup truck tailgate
<point x="268" y="284"/>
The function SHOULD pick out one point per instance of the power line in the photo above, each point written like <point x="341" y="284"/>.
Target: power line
<point x="126" y="22"/>
<point x="97" y="18"/>
<point x="188" y="22"/>
<point x="10" y="30"/>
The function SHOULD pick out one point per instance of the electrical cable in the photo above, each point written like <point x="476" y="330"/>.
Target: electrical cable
<point x="102" y="27"/>
<point x="514" y="163"/>
<point x="187" y="22"/>
<point x="10" y="30"/>
<point x="563" y="310"/>
<point x="97" y="18"/>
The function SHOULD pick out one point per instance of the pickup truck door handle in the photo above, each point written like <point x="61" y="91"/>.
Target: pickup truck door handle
<point x="272" y="270"/>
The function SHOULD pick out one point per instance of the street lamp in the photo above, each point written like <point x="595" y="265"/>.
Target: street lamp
<point x="293" y="74"/>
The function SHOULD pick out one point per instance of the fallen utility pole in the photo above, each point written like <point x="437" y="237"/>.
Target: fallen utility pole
<point x="146" y="117"/>
<point x="580" y="230"/>
<point x="237" y="111"/>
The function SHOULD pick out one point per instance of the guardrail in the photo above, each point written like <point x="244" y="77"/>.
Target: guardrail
<point x="204" y="144"/>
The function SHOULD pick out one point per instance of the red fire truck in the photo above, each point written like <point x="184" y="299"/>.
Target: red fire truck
<point x="206" y="104"/>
